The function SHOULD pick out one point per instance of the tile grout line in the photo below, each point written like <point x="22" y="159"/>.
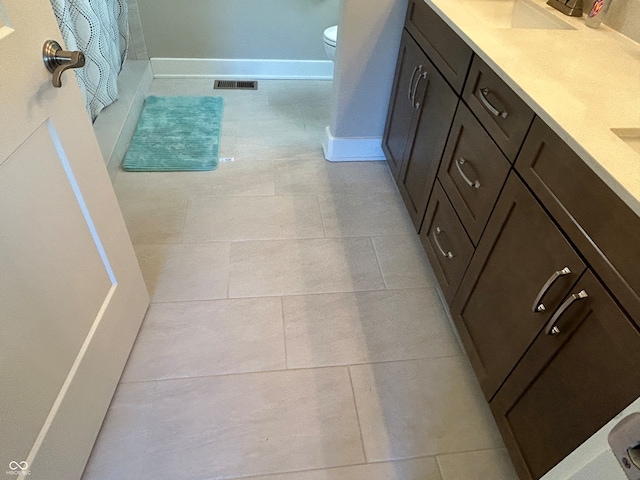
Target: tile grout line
<point x="375" y="252"/>
<point x="298" y="368"/>
<point x="324" y="227"/>
<point x="284" y="335"/>
<point x="355" y="405"/>
<point x="310" y="470"/>
<point x="285" y="295"/>
<point x="295" y="369"/>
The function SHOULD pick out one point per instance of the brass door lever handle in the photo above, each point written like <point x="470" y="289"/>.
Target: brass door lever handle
<point x="57" y="60"/>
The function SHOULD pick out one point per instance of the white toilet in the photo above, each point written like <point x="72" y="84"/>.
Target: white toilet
<point x="330" y="38"/>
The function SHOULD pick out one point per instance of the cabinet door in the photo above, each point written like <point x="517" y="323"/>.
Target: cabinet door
<point x="571" y="383"/>
<point x="446" y="243"/>
<point x="517" y="267"/>
<point x="472" y="172"/>
<point x="400" y="127"/>
<point x="419" y="170"/>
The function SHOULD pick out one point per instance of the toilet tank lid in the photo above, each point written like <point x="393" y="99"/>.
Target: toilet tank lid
<point x="331" y="34"/>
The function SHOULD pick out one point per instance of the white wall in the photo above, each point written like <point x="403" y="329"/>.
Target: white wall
<point x="237" y="29"/>
<point x="369" y="35"/>
<point x="368" y="41"/>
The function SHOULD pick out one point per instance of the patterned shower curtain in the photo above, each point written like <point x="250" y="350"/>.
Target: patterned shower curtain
<point x="99" y="28"/>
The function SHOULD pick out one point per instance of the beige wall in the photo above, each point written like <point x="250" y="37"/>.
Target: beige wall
<point x="623" y="16"/>
<point x="242" y="29"/>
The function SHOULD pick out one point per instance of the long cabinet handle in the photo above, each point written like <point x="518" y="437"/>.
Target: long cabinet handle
<point x="459" y="162"/>
<point x="551" y="328"/>
<point x="416" y="69"/>
<point x="484" y="92"/>
<point x="538" y="306"/>
<point x="448" y="254"/>
<point x="415" y="89"/>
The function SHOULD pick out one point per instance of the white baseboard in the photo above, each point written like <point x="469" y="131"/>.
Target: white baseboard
<point x="240" y="69"/>
<point x="342" y="149"/>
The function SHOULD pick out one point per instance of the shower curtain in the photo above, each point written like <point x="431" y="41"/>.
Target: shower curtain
<point x="99" y="28"/>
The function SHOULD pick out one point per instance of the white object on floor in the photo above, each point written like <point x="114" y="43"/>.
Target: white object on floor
<point x="594" y="458"/>
<point x="352" y="149"/>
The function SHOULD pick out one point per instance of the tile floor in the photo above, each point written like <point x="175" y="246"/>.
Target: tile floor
<point x="295" y="332"/>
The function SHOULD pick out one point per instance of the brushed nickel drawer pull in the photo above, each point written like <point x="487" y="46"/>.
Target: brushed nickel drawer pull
<point x="551" y="328"/>
<point x="413" y="75"/>
<point x="459" y="162"/>
<point x="494" y="111"/>
<point x="538" y="306"/>
<point x="448" y="254"/>
<point x="415" y="89"/>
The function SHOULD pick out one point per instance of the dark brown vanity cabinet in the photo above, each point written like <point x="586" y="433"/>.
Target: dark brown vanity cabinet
<point x="571" y="381"/>
<point x="537" y="257"/>
<point x="555" y="350"/>
<point x="423" y="104"/>
<point x="522" y="270"/>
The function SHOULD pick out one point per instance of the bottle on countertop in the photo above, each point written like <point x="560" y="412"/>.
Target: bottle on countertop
<point x="597" y="13"/>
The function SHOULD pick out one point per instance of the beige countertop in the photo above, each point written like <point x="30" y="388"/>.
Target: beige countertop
<point x="582" y="82"/>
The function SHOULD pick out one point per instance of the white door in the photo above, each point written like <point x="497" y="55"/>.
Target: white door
<point x="71" y="294"/>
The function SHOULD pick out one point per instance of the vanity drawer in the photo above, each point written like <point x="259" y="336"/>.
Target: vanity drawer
<point x="500" y="110"/>
<point x="450" y="54"/>
<point x="446" y="243"/>
<point x="472" y="172"/>
<point x="600" y="224"/>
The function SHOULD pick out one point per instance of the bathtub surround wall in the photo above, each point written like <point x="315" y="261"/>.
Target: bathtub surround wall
<point x="265" y="39"/>
<point x="137" y="45"/>
<point x="367" y="49"/>
<point x="115" y="125"/>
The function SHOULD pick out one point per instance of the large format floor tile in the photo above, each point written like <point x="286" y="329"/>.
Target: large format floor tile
<point x="403" y="262"/>
<point x="240" y="177"/>
<point x="312" y="174"/>
<point x="492" y="464"/>
<point x="378" y="213"/>
<point x="289" y="267"/>
<point x="421" y="407"/>
<point x="155" y="219"/>
<point x="119" y="451"/>
<point x="182" y="272"/>
<point x="295" y="92"/>
<point x="193" y="339"/>
<point x="253" y="424"/>
<point x="362" y="327"/>
<point x="252" y="218"/>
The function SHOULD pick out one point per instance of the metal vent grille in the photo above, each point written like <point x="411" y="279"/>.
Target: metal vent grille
<point x="236" y="84"/>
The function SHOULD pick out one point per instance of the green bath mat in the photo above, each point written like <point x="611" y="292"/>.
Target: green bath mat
<point x="176" y="134"/>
